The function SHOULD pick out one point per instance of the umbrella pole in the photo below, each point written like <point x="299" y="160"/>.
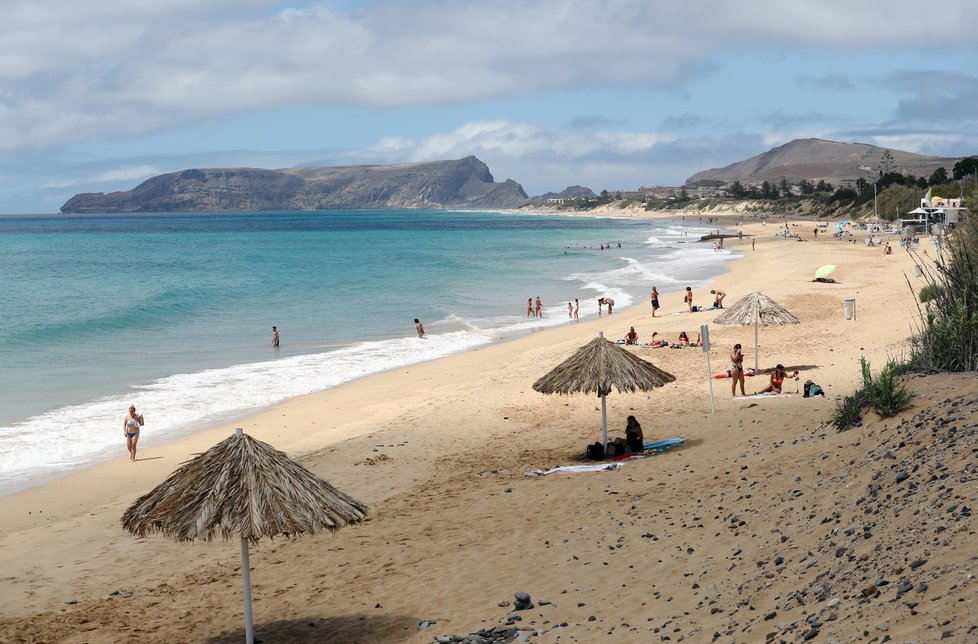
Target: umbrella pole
<point x="246" y="574"/>
<point x="756" y="361"/>
<point x="604" y="423"/>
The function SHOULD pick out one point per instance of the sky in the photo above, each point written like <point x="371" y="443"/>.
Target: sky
<point x="97" y="96"/>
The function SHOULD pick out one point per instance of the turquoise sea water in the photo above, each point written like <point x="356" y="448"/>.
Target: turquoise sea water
<point x="173" y="312"/>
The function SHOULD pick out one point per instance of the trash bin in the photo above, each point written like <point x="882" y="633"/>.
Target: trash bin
<point x="849" y="306"/>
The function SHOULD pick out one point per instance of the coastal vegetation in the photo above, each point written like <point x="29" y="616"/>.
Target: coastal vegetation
<point x="946" y="337"/>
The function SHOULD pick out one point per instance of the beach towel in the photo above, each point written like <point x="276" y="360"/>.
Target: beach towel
<point x="765" y="395"/>
<point x="603" y="467"/>
<point x="651" y="449"/>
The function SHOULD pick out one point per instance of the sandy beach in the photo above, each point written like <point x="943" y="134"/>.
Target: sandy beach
<point x="761" y="522"/>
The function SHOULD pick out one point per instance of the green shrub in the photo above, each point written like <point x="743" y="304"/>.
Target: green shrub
<point x="848" y="411"/>
<point x="930" y="292"/>
<point x="883" y="393"/>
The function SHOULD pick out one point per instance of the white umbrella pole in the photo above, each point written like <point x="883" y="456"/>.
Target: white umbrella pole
<point x="246" y="574"/>
<point x="756" y="363"/>
<point x="604" y="408"/>
<point x="604" y="423"/>
<point x="246" y="578"/>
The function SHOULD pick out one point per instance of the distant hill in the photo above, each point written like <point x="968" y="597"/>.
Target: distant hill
<point x="570" y="193"/>
<point x="815" y="159"/>
<point x="462" y="183"/>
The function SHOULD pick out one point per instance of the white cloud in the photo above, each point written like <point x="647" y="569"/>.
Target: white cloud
<point x="127" y="174"/>
<point x="73" y="71"/>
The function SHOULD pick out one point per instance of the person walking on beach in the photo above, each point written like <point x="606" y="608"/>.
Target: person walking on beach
<point x="570" y="311"/>
<point x="130" y="428"/>
<point x="529" y="307"/>
<point x="654" y="295"/>
<point x="752" y="242"/>
<point x="577" y="308"/>
<point x="539" y="308"/>
<point x="737" y="371"/>
<point x="275" y="339"/>
<point x="689" y="299"/>
<point x="419" y="327"/>
<point x="718" y="302"/>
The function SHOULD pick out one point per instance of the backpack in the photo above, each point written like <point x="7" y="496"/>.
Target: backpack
<point x="595" y="452"/>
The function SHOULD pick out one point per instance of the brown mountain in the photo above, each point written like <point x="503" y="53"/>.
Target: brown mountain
<point x="462" y="183"/>
<point x="815" y="159"/>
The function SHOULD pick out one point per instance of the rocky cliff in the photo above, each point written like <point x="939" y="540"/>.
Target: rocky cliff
<point x="462" y="183"/>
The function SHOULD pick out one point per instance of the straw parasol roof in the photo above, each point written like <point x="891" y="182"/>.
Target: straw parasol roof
<point x="597" y="367"/>
<point x="243" y="488"/>
<point x="756" y="310"/>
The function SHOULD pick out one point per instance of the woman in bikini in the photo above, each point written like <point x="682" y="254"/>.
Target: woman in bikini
<point x="130" y="427"/>
<point x="737" y="371"/>
<point x="777" y="380"/>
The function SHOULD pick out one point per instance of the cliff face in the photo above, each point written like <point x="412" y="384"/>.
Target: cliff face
<point x="463" y="183"/>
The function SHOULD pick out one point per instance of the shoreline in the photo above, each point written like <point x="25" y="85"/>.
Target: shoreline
<point x="40" y="474"/>
<point x="442" y="426"/>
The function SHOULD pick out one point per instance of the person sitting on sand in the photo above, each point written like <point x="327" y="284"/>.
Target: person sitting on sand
<point x="633" y="436"/>
<point x="824" y="280"/>
<point x="631" y="337"/>
<point x="777" y="380"/>
<point x="683" y="339"/>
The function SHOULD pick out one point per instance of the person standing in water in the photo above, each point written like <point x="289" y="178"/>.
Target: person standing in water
<point x="577" y="308"/>
<point x="539" y="307"/>
<point x="130" y="428"/>
<point x="275" y="339"/>
<point x="419" y="327"/>
<point x="570" y="311"/>
<point x="529" y="307"/>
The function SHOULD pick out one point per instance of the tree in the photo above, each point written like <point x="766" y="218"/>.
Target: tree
<point x="965" y="167"/>
<point x="785" y="188"/>
<point x="767" y="192"/>
<point x="886" y="162"/>
<point x="683" y="195"/>
<point x="806" y="187"/>
<point x="737" y="190"/>
<point x="822" y="186"/>
<point x="861" y="185"/>
<point x="939" y="176"/>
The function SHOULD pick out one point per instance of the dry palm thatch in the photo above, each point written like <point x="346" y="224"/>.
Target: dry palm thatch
<point x="597" y="367"/>
<point x="756" y="309"/>
<point x="243" y="488"/>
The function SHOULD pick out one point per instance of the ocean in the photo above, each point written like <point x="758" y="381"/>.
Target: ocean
<point x="173" y="312"/>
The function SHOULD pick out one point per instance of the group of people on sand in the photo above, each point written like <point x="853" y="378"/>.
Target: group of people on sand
<point x="736" y="373"/>
<point x="717" y="294"/>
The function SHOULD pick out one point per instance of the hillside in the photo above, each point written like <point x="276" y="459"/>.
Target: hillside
<point x="462" y="183"/>
<point x="817" y="159"/>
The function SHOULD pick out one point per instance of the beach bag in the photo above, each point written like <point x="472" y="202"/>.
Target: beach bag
<point x="696" y="309"/>
<point x="595" y="452"/>
<point x="815" y="390"/>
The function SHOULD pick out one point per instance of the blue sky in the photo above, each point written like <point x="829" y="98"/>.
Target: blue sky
<point x="614" y="94"/>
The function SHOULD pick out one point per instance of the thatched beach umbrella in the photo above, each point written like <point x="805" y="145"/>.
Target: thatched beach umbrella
<point x="597" y="367"/>
<point x="759" y="310"/>
<point x="241" y="488"/>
